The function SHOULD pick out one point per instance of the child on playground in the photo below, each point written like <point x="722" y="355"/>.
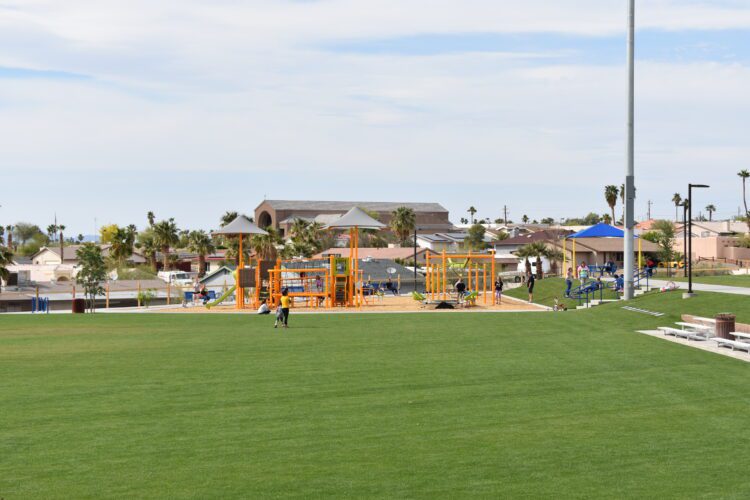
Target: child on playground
<point x="499" y="290"/>
<point x="568" y="282"/>
<point x="282" y="312"/>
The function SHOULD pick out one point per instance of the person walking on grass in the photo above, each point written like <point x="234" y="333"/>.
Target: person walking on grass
<point x="499" y="290"/>
<point x="568" y="282"/>
<point x="285" y="303"/>
<point x="530" y="280"/>
<point x="583" y="272"/>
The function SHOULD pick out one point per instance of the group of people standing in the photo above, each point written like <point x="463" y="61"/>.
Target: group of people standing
<point x="460" y="288"/>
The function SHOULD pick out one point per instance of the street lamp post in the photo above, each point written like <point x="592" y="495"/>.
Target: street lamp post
<point x="415" y="258"/>
<point x="689" y="257"/>
<point x="629" y="264"/>
<point x="684" y="238"/>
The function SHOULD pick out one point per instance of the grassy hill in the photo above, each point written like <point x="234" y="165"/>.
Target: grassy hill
<point x="358" y="405"/>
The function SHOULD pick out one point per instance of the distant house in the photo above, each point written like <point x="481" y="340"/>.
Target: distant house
<point x="510" y="245"/>
<point x="452" y="242"/>
<point x="220" y="278"/>
<point x="400" y="253"/>
<point x="50" y="256"/>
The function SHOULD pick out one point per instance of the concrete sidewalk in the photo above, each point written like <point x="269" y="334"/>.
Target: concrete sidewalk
<point x="702" y="287"/>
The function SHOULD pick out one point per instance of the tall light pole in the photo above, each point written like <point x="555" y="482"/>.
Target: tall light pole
<point x="630" y="170"/>
<point x="689" y="256"/>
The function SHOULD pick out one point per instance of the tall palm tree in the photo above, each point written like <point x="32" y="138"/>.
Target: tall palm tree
<point x="537" y="249"/>
<point x="403" y="222"/>
<point x="166" y="235"/>
<point x="151" y="218"/>
<point x="710" y="209"/>
<point x="744" y="174"/>
<point x="472" y="211"/>
<point x="10" y="228"/>
<point x="60" y="229"/>
<point x="199" y="242"/>
<point x="676" y="199"/>
<point x="610" y="194"/>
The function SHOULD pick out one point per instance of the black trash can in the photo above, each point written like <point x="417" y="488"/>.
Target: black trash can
<point x="725" y="325"/>
<point x="79" y="306"/>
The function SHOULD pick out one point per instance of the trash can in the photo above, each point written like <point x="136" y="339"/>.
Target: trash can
<point x="79" y="306"/>
<point x="725" y="326"/>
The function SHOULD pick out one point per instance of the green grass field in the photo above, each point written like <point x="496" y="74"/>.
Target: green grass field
<point x="727" y="280"/>
<point x="546" y="290"/>
<point x="449" y="405"/>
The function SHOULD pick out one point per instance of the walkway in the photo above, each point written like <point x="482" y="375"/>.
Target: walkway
<point x="701" y="287"/>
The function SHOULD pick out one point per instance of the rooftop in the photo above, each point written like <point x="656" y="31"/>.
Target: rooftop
<point x="345" y="206"/>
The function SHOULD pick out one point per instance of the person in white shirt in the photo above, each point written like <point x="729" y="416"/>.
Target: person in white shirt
<point x="264" y="309"/>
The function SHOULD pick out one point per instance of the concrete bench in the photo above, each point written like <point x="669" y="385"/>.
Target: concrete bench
<point x="735" y="345"/>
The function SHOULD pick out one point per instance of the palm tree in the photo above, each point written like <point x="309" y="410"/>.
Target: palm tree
<point x="228" y="217"/>
<point x="147" y="244"/>
<point x="610" y="195"/>
<point x="122" y="243"/>
<point x="537" y="249"/>
<point x="744" y="174"/>
<point x="607" y="218"/>
<point x="61" y="228"/>
<point x="403" y="222"/>
<point x="199" y="242"/>
<point x="51" y="232"/>
<point x="151" y="218"/>
<point x="264" y="245"/>
<point x="525" y="219"/>
<point x="10" y="228"/>
<point x="710" y="209"/>
<point x="6" y="258"/>
<point x="166" y="235"/>
<point x="464" y="220"/>
<point x="676" y="199"/>
<point x="472" y="211"/>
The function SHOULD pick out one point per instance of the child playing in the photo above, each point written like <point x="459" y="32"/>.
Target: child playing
<point x="279" y="317"/>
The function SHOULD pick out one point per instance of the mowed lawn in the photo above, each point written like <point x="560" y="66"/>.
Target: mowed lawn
<point x="444" y="405"/>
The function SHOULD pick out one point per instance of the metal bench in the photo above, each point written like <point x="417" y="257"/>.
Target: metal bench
<point x="685" y="334"/>
<point x="735" y="345"/>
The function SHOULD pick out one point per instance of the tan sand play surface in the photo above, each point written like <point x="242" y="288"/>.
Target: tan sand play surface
<point x="385" y="304"/>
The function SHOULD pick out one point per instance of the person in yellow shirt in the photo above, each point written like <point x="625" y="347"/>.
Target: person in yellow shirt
<point x="286" y="302"/>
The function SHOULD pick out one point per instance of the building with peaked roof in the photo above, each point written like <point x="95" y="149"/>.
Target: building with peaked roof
<point x="281" y="214"/>
<point x="51" y="255"/>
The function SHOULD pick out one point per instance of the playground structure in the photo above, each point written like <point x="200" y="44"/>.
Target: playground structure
<point x="478" y="271"/>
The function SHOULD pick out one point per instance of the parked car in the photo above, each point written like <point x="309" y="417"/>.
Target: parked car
<point x="177" y="278"/>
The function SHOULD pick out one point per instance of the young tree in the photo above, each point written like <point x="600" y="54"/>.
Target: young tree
<point x="710" y="209"/>
<point x="403" y="222"/>
<point x="199" y="242"/>
<point x="92" y="272"/>
<point x="744" y="174"/>
<point x="475" y="238"/>
<point x="24" y="232"/>
<point x="472" y="211"/>
<point x="166" y="235"/>
<point x="525" y="219"/>
<point x="662" y="233"/>
<point x="610" y="195"/>
<point x="79" y="238"/>
<point x="676" y="199"/>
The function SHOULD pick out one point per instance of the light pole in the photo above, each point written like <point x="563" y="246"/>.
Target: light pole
<point x="630" y="170"/>
<point x="415" y="258"/>
<point x="689" y="257"/>
<point x="684" y="237"/>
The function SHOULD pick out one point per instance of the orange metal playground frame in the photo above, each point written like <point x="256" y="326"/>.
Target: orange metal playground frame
<point x="476" y="267"/>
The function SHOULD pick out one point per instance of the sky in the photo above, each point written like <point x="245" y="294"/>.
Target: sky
<point x="189" y="108"/>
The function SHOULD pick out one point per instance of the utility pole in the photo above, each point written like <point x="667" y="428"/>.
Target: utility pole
<point x="629" y="267"/>
<point x="649" y="209"/>
<point x="505" y="214"/>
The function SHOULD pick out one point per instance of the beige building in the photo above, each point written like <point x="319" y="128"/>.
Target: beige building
<point x="280" y="214"/>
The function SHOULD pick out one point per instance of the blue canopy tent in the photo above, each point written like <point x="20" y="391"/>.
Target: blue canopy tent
<point x="600" y="230"/>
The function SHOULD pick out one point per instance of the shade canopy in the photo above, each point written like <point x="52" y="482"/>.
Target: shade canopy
<point x="240" y="225"/>
<point x="600" y="230"/>
<point x="356" y="217"/>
